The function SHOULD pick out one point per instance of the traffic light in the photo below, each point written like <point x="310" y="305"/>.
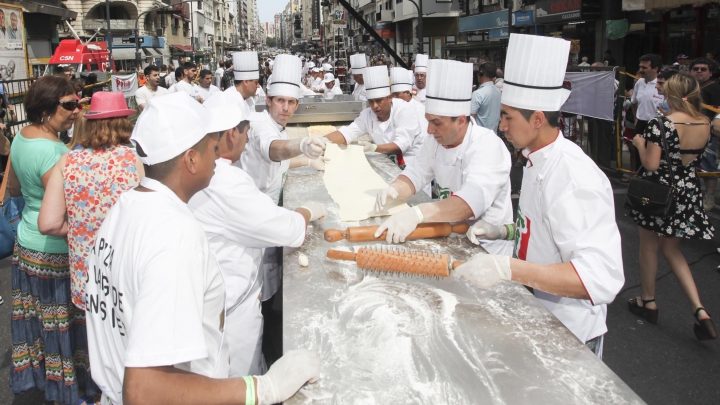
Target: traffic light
<point x="298" y="25"/>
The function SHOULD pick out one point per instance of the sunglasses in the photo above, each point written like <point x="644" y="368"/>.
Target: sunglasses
<point x="69" y="105"/>
<point x="700" y="69"/>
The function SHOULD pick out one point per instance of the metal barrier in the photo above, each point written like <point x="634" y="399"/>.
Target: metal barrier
<point x="12" y="113"/>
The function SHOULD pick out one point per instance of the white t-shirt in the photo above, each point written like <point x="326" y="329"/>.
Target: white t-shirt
<point x="143" y="95"/>
<point x="647" y="99"/>
<point x="218" y="76"/>
<point x="239" y="221"/>
<point x="156" y="296"/>
<point x="189" y="88"/>
<point x="206" y="93"/>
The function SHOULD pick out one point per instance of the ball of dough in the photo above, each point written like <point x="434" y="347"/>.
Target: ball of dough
<point x="303" y="260"/>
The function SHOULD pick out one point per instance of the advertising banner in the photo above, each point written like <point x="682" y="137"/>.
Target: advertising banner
<point x="12" y="43"/>
<point x="126" y="84"/>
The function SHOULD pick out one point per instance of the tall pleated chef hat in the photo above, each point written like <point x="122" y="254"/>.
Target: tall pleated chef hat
<point x="449" y="88"/>
<point x="358" y="63"/>
<point x="421" y="63"/>
<point x="534" y="73"/>
<point x="246" y="65"/>
<point x="285" y="77"/>
<point x="402" y="80"/>
<point x="376" y="82"/>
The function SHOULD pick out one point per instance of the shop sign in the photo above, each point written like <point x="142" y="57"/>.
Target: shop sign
<point x="552" y="11"/>
<point x="500" y="33"/>
<point x="521" y="18"/>
<point x="339" y="20"/>
<point x="485" y="21"/>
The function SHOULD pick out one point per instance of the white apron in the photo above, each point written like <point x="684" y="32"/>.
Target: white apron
<point x="246" y="358"/>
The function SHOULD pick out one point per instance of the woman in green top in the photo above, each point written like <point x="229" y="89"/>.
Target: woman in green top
<point x="46" y="353"/>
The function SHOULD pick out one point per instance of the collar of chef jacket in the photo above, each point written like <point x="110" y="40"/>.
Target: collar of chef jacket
<point x="537" y="158"/>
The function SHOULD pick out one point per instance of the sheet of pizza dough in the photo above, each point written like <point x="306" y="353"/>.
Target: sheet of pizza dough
<point x="353" y="184"/>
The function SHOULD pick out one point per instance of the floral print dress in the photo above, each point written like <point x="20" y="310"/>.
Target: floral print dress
<point x="94" y="179"/>
<point x="689" y="220"/>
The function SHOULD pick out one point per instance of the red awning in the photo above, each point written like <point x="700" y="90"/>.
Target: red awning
<point x="183" y="48"/>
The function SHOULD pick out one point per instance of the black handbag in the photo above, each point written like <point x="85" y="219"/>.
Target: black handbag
<point x="652" y="198"/>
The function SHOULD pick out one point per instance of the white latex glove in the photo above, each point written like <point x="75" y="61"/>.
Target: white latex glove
<point x="484" y="230"/>
<point x="313" y="146"/>
<point x="317" y="210"/>
<point x="368" y="146"/>
<point x="399" y="225"/>
<point x="287" y="376"/>
<point x="484" y="270"/>
<point x="319" y="163"/>
<point x="385" y="196"/>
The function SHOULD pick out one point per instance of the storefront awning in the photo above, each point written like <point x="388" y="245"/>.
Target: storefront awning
<point x="183" y="48"/>
<point x="123" y="53"/>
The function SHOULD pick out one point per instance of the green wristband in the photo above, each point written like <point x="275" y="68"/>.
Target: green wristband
<point x="510" y="232"/>
<point x="249" y="390"/>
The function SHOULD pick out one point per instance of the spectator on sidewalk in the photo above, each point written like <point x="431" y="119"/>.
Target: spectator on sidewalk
<point x="645" y="98"/>
<point x="702" y="70"/>
<point x="485" y="105"/>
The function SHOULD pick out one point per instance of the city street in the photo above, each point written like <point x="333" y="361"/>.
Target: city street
<point x="663" y="363"/>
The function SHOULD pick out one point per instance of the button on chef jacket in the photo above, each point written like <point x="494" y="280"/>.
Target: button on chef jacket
<point x="239" y="221"/>
<point x="359" y="92"/>
<point x="402" y="128"/>
<point x="566" y="214"/>
<point x="477" y="170"/>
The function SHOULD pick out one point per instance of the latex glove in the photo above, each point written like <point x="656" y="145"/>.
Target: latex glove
<point x="385" y="196"/>
<point x="487" y="231"/>
<point x="287" y="376"/>
<point x="319" y="163"/>
<point x="317" y="210"/>
<point x="368" y="146"/>
<point x="484" y="270"/>
<point x="313" y="146"/>
<point x="399" y="225"/>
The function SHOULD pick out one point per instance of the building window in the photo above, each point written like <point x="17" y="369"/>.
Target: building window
<point x="450" y="39"/>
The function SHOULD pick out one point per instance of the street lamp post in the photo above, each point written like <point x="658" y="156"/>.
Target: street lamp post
<point x="108" y="37"/>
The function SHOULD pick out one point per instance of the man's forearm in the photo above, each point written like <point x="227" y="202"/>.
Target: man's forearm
<point x="388" y="148"/>
<point x="404" y="187"/>
<point x="336" y="138"/>
<point x="447" y="210"/>
<point x="169" y="385"/>
<point x="284" y="149"/>
<point x="559" y="279"/>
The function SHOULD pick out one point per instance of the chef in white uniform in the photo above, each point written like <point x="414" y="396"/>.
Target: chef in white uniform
<point x="247" y="75"/>
<point x="359" y="64"/>
<point x="567" y="243"/>
<point x="401" y="88"/>
<point x="270" y="153"/>
<point x="330" y="85"/>
<point x="317" y="83"/>
<point x="392" y="124"/>
<point x="239" y="221"/>
<point x="421" y="68"/>
<point x="470" y="164"/>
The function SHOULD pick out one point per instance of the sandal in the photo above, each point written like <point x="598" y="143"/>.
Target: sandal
<point x="651" y="315"/>
<point x="705" y="329"/>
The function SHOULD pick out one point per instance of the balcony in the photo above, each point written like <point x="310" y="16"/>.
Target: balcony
<point x="384" y="16"/>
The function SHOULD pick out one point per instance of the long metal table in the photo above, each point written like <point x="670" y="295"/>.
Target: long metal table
<point x="410" y="340"/>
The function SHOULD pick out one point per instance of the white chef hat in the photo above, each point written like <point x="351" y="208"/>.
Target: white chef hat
<point x="329" y="77"/>
<point x="358" y="63"/>
<point x="421" y="62"/>
<point x="402" y="80"/>
<point x="376" y="82"/>
<point x="326" y="67"/>
<point x="534" y="73"/>
<point x="285" y="77"/>
<point x="315" y="70"/>
<point x="246" y="65"/>
<point x="226" y="103"/>
<point x="310" y="64"/>
<point x="449" y="88"/>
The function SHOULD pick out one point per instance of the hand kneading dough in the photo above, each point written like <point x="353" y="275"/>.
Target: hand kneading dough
<point x="353" y="184"/>
<point x="303" y="260"/>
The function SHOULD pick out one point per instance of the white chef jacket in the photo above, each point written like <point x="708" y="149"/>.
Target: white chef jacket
<point x="402" y="128"/>
<point x="317" y="84"/>
<point x="421" y="94"/>
<point x="477" y="170"/>
<point x="566" y="214"/>
<point x="359" y="92"/>
<point x="219" y="72"/>
<point x="420" y="110"/>
<point x="244" y="105"/>
<point x="334" y="91"/>
<point x="189" y="88"/>
<point x="239" y="221"/>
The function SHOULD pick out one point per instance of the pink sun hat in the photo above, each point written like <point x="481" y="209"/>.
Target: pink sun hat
<point x="107" y="104"/>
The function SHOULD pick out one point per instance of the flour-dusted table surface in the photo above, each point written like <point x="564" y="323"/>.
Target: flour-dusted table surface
<point x="411" y="340"/>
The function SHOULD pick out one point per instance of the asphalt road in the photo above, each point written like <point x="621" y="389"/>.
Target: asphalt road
<point x="663" y="363"/>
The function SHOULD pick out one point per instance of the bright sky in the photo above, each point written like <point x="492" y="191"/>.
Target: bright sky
<point x="268" y="8"/>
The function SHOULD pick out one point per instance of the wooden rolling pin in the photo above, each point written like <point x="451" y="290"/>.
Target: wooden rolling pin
<point x="423" y="231"/>
<point x="397" y="261"/>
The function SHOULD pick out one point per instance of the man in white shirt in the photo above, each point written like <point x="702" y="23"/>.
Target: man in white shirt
<point x="151" y="89"/>
<point x="246" y="70"/>
<point x="330" y="86"/>
<point x="206" y="88"/>
<point x="391" y="123"/>
<point x="317" y="83"/>
<point x="240" y="221"/>
<point x="219" y="72"/>
<point x="421" y="63"/>
<point x="151" y="257"/>
<point x="170" y="78"/>
<point x="186" y="84"/>
<point x="645" y="99"/>
<point x="567" y="243"/>
<point x="584" y="61"/>
<point x="470" y="164"/>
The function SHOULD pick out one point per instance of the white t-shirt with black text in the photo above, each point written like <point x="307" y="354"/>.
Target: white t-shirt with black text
<point x="155" y="293"/>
